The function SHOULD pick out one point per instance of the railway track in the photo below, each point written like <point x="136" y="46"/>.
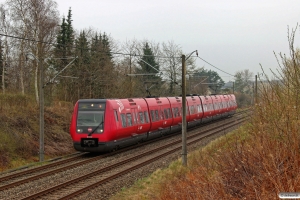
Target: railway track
<point x="96" y="177"/>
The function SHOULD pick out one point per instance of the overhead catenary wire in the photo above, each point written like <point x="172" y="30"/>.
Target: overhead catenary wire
<point x="215" y="66"/>
<point x="55" y="44"/>
<point x="114" y="53"/>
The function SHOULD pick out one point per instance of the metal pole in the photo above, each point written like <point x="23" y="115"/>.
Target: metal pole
<point x="41" y="101"/>
<point x="184" y="125"/>
<point x="130" y="77"/>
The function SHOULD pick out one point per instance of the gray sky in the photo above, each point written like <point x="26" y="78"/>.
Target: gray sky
<point x="232" y="35"/>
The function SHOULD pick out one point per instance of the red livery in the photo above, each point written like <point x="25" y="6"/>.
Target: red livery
<point x="100" y="125"/>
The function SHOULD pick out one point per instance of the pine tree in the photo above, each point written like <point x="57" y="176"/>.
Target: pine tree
<point x="69" y="33"/>
<point x="64" y="50"/>
<point x="209" y="77"/>
<point x="65" y="41"/>
<point x="60" y="50"/>
<point x="102" y="65"/>
<point x="149" y="66"/>
<point x="149" y="58"/>
<point x="81" y="67"/>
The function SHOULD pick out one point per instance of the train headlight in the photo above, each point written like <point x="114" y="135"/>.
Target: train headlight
<point x="100" y="130"/>
<point x="79" y="130"/>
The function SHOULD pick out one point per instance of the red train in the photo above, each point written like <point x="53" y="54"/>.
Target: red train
<point x="100" y="125"/>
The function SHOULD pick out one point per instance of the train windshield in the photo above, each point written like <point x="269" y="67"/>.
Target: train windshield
<point x="90" y="117"/>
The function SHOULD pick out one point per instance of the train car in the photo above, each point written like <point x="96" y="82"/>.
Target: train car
<point x="207" y="107"/>
<point x="232" y="104"/>
<point x="217" y="106"/>
<point x="176" y="107"/>
<point x="101" y="125"/>
<point x="160" y="116"/>
<point x="195" y="112"/>
<point x="225" y="105"/>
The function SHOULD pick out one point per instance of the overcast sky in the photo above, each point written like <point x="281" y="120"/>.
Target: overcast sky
<point x="232" y="35"/>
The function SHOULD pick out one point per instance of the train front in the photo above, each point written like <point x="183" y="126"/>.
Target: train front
<point x="88" y="125"/>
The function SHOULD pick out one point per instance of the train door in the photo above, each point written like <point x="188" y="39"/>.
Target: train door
<point x="135" y="119"/>
<point x="117" y="119"/>
<point x="163" y="117"/>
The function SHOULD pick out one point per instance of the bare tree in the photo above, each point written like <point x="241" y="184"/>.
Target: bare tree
<point x="171" y="63"/>
<point x="37" y="20"/>
<point x="244" y="81"/>
<point x="129" y="64"/>
<point x="5" y="28"/>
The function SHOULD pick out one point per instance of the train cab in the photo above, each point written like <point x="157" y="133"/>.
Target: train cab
<point x="88" y="125"/>
<point x="100" y="125"/>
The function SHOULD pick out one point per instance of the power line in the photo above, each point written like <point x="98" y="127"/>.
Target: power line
<point x="55" y="44"/>
<point x="115" y="53"/>
<point x="214" y="66"/>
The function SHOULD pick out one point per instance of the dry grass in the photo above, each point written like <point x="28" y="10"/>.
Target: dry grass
<point x="19" y="133"/>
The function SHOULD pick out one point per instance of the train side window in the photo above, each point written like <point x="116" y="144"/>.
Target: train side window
<point x="146" y="116"/>
<point x="137" y="118"/>
<point x="129" y="119"/>
<point x="116" y="115"/>
<point x="134" y="119"/>
<point x="156" y="115"/>
<point x="166" y="113"/>
<point x="161" y="112"/>
<point x="169" y="113"/>
<point x="152" y="115"/>
<point x="141" y="117"/>
<point x="123" y="118"/>
<point x="176" y="112"/>
<point x="199" y="109"/>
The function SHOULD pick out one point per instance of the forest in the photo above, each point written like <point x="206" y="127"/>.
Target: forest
<point x="40" y="49"/>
